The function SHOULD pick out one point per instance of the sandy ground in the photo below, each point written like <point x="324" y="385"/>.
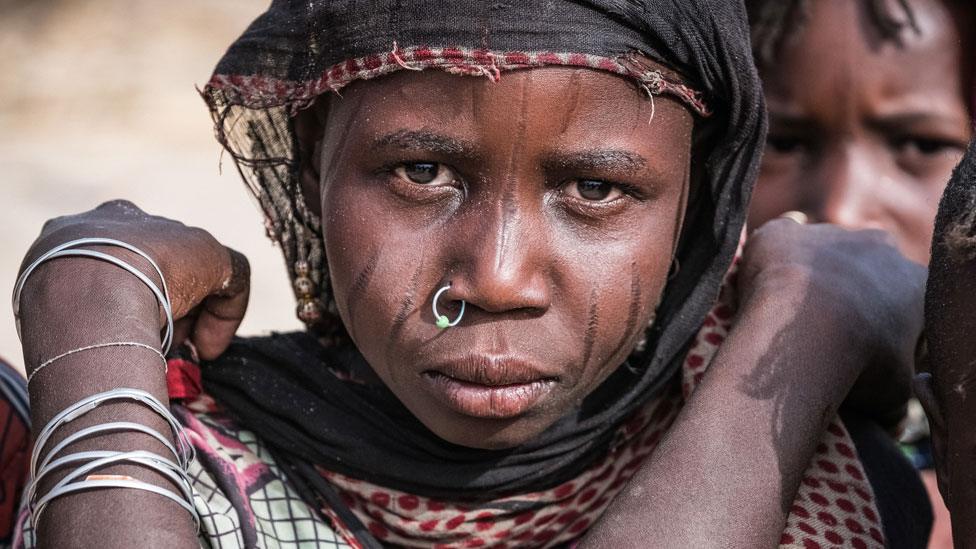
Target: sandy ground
<point x="97" y="101"/>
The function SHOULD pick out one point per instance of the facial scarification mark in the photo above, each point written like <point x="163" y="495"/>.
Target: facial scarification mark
<point x="635" y="305"/>
<point x="406" y="306"/>
<point x="361" y="283"/>
<point x="359" y="287"/>
<point x="592" y="324"/>
<point x="343" y="143"/>
<point x="509" y="206"/>
<point x="573" y="102"/>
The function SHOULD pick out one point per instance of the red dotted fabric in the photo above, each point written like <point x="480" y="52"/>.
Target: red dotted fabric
<point x="834" y="507"/>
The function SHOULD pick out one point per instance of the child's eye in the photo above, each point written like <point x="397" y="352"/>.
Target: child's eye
<point x="592" y="190"/>
<point x="784" y="144"/>
<point x="426" y="173"/>
<point x="925" y="146"/>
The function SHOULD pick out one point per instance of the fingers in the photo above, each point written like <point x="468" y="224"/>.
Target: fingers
<point x="222" y="311"/>
<point x="183" y="328"/>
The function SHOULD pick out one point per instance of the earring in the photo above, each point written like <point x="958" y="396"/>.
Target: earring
<point x="309" y="309"/>
<point x="442" y="321"/>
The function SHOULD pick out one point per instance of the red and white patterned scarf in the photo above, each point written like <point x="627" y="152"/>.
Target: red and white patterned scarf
<point x="834" y="506"/>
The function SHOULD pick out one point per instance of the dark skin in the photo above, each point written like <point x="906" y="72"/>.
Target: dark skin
<point x="947" y="398"/>
<point x="864" y="133"/>
<point x="946" y="390"/>
<point x="69" y="304"/>
<point x="800" y="284"/>
<point x="541" y="221"/>
<point x="508" y="230"/>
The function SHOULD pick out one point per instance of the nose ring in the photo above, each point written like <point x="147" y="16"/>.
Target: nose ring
<point x="442" y="321"/>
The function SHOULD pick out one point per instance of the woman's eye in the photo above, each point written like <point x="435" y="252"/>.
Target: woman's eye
<point x="592" y="190"/>
<point x="426" y="173"/>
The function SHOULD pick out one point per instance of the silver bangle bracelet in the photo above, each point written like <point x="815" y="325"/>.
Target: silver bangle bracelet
<point x="65" y="486"/>
<point x="113" y="427"/>
<point x="85" y="485"/>
<point x="87" y="404"/>
<point x="67" y="249"/>
<point x="172" y="470"/>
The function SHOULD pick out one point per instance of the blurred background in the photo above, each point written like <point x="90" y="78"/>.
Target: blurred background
<point x="98" y="101"/>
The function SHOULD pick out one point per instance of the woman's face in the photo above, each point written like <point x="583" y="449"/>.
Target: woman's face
<point x="864" y="133"/>
<point x="547" y="202"/>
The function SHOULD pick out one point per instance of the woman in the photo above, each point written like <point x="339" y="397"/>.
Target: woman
<point x="571" y="213"/>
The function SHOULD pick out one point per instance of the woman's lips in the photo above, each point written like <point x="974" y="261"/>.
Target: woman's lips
<point x="486" y="401"/>
<point x="488" y="387"/>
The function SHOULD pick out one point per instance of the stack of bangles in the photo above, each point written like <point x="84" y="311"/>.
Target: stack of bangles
<point x="83" y="467"/>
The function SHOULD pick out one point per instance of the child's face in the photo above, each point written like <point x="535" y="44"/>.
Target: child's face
<point x="548" y="203"/>
<point x="864" y="133"/>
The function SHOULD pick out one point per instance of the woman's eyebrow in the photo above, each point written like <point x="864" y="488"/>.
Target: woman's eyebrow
<point x="596" y="159"/>
<point x="423" y="140"/>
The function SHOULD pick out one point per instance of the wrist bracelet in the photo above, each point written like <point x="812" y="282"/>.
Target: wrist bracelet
<point x="92" y="460"/>
<point x="50" y="361"/>
<point x="87" y="404"/>
<point x="67" y="249"/>
<point x="156" y="462"/>
<point x="65" y="486"/>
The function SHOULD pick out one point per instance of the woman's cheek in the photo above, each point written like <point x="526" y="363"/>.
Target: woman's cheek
<point x="356" y="252"/>
<point x="621" y="305"/>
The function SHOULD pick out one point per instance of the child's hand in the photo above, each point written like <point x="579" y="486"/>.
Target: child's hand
<point x="859" y="283"/>
<point x="208" y="282"/>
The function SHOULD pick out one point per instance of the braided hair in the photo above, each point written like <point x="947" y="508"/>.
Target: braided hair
<point x="774" y="22"/>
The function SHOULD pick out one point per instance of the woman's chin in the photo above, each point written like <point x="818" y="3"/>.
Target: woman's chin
<point x="485" y="434"/>
<point x="487" y="441"/>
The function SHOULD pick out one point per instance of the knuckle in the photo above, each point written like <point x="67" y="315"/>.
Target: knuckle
<point x="120" y="205"/>
<point x="240" y="262"/>
<point x="201" y="236"/>
<point x="53" y="223"/>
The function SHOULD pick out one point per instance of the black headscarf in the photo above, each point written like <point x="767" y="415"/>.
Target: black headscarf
<point x="280" y="386"/>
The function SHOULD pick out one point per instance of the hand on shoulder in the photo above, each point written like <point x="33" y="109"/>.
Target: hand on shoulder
<point x="208" y="282"/>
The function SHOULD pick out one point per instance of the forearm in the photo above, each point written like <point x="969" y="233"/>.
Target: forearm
<point x="72" y="303"/>
<point x="728" y="469"/>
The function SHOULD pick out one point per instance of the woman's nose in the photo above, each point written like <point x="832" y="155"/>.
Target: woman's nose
<point x="503" y="264"/>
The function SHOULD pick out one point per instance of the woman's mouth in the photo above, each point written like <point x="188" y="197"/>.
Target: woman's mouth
<point x="488" y="388"/>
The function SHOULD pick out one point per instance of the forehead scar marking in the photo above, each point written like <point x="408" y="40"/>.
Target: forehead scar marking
<point x="592" y="324"/>
<point x="509" y="209"/>
<point x="359" y="286"/>
<point x="573" y="102"/>
<point x="330" y="170"/>
<point x="635" y="305"/>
